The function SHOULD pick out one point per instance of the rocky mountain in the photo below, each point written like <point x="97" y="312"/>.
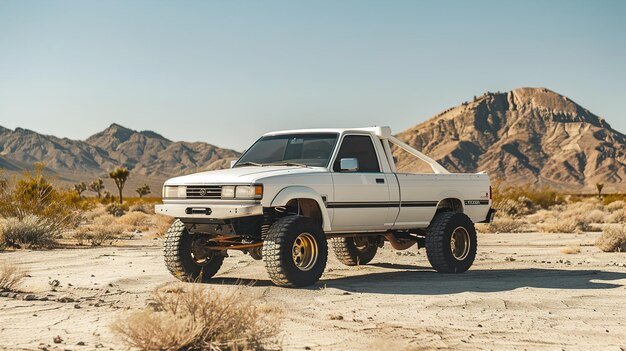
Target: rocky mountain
<point x="524" y="136"/>
<point x="149" y="156"/>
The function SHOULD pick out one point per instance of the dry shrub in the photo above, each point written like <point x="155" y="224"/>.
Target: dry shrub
<point x="596" y="216"/>
<point x="94" y="213"/>
<point x="196" y="318"/>
<point x="29" y="231"/>
<point x="34" y="195"/>
<point x="10" y="277"/>
<point x="145" y="208"/>
<point x="117" y="209"/>
<point x="566" y="224"/>
<point x="613" y="239"/>
<point x="504" y="225"/>
<point x="618" y="216"/>
<point x="135" y="220"/>
<point x="162" y="224"/>
<point x="571" y="249"/>
<point x="616" y="205"/>
<point x="610" y="198"/>
<point x="98" y="234"/>
<point x="530" y="197"/>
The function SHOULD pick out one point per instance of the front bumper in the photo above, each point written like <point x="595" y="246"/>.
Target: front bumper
<point x="209" y="210"/>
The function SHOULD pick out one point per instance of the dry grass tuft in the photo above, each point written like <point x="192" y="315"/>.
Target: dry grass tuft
<point x="196" y="318"/>
<point x="30" y="231"/>
<point x="613" y="239"/>
<point x="503" y="225"/>
<point x="135" y="220"/>
<point x="10" y="277"/>
<point x="571" y="249"/>
<point x="98" y="234"/>
<point x="616" y="205"/>
<point x="162" y="224"/>
<point x="618" y="216"/>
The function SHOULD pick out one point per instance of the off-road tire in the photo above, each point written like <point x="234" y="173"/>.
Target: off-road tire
<point x="348" y="253"/>
<point x="278" y="246"/>
<point x="178" y="259"/>
<point x="438" y="237"/>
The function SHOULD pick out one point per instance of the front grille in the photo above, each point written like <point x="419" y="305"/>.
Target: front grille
<point x="204" y="191"/>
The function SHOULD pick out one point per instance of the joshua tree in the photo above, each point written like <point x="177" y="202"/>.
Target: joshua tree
<point x="97" y="186"/>
<point x="120" y="175"/>
<point x="143" y="190"/>
<point x="599" y="186"/>
<point x="80" y="188"/>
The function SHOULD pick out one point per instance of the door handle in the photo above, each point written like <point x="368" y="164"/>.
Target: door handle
<point x="380" y="180"/>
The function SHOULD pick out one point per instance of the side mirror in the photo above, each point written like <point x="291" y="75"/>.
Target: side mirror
<point x="349" y="165"/>
<point x="232" y="163"/>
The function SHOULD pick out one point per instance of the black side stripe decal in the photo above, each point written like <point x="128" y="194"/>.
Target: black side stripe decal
<point x="381" y="204"/>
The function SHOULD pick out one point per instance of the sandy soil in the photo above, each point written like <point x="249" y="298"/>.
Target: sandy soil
<point x="522" y="293"/>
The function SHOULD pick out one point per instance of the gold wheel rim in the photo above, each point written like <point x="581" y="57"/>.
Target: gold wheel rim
<point x="460" y="243"/>
<point x="304" y="251"/>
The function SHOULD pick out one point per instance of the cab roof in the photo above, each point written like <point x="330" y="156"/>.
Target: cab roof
<point x="381" y="132"/>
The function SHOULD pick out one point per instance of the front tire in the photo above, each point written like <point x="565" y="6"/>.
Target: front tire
<point x="185" y="257"/>
<point x="295" y="251"/>
<point x="451" y="242"/>
<point x="355" y="250"/>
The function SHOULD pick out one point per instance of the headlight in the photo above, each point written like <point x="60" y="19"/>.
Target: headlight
<point x="243" y="191"/>
<point x="228" y="191"/>
<point x="174" y="192"/>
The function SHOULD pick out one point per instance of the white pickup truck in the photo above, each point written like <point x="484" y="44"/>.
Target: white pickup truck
<point x="293" y="190"/>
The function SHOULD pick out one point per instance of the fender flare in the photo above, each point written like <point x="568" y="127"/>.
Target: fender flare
<point x="302" y="192"/>
<point x="451" y="194"/>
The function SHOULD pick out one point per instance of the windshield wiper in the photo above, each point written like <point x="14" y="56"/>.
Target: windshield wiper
<point x="249" y="164"/>
<point x="287" y="164"/>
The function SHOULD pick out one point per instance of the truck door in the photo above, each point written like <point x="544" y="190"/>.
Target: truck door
<point x="361" y="199"/>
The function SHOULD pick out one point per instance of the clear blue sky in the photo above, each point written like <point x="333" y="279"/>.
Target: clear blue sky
<point x="226" y="71"/>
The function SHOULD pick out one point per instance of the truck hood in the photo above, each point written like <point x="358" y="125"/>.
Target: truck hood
<point x="241" y="175"/>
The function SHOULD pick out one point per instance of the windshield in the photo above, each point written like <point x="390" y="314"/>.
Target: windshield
<point x="291" y="150"/>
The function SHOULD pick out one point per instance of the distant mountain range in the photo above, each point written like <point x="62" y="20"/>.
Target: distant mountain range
<point x="150" y="157"/>
<point x="525" y="136"/>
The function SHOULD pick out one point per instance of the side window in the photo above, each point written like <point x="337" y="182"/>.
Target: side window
<point x="361" y="148"/>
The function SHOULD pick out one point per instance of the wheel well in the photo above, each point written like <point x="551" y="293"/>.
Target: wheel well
<point x="306" y="207"/>
<point x="450" y="204"/>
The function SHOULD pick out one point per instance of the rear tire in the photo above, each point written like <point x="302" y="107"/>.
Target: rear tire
<point x="355" y="250"/>
<point x="179" y="247"/>
<point x="451" y="242"/>
<point x="295" y="251"/>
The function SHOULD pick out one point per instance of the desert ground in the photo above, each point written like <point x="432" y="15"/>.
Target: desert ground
<point x="522" y="293"/>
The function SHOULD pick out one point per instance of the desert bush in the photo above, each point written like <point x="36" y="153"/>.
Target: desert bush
<point x="34" y="195"/>
<point x="135" y="220"/>
<point x="566" y="224"/>
<point x="529" y="197"/>
<point x="618" y="216"/>
<point x="143" y="207"/>
<point x="195" y="318"/>
<point x="29" y="231"/>
<point x="10" y="277"/>
<point x="613" y="239"/>
<point x="596" y="216"/>
<point x="616" y="205"/>
<point x="503" y="225"/>
<point x="98" y="234"/>
<point x="571" y="249"/>
<point x="610" y="198"/>
<point x="162" y="224"/>
<point x="117" y="209"/>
